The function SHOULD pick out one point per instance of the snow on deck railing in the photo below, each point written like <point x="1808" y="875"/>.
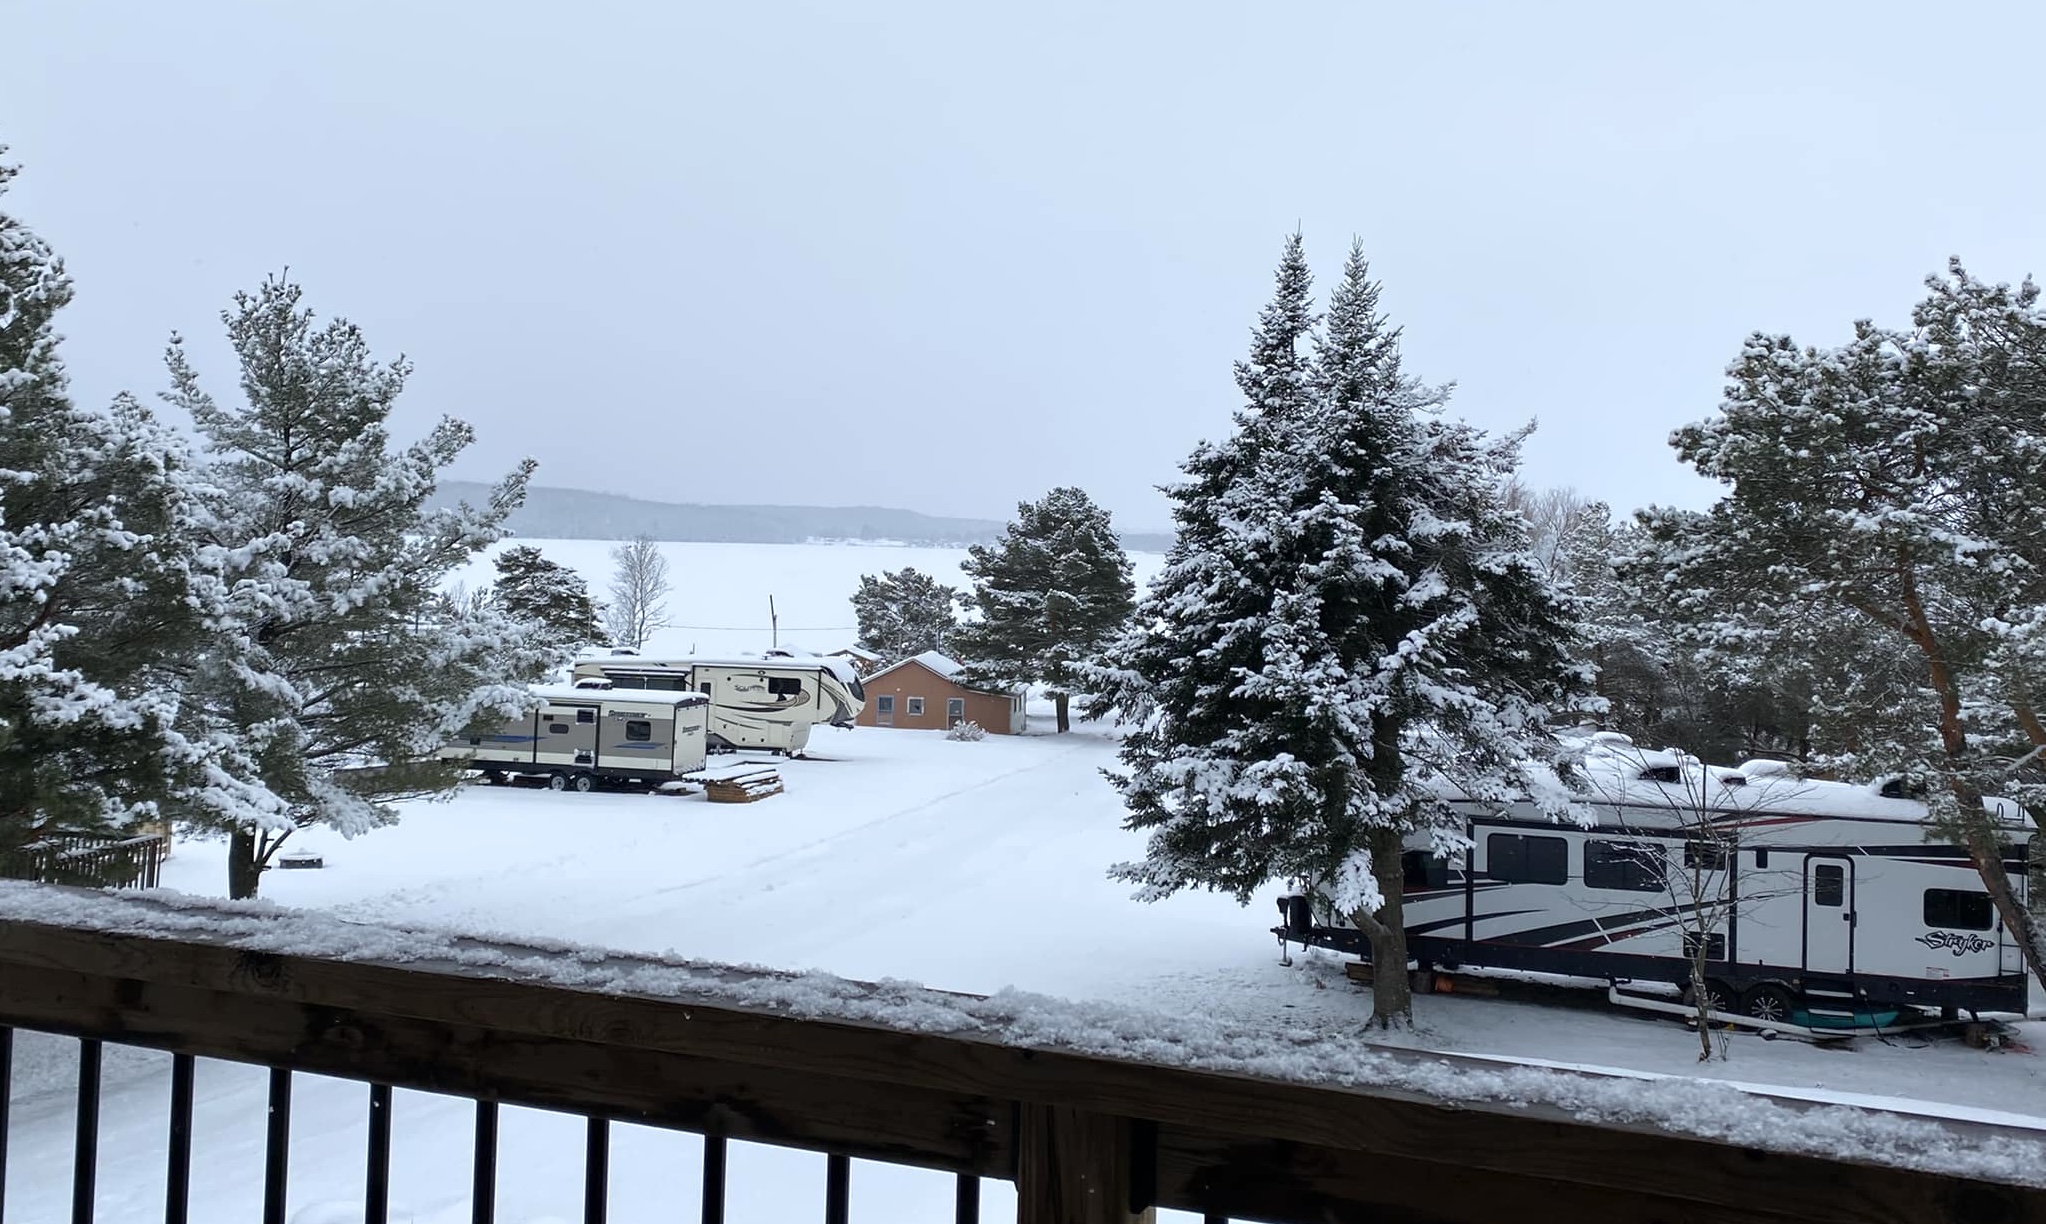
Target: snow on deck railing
<point x="1700" y="1108"/>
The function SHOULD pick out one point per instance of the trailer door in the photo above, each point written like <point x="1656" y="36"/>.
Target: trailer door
<point x="1829" y="914"/>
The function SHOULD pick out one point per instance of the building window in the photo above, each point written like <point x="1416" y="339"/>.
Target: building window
<point x="884" y="711"/>
<point x="1959" y="911"/>
<point x="915" y="708"/>
<point x="955" y="711"/>
<point x="586" y="716"/>
<point x="1527" y="860"/>
<point x="638" y="730"/>
<point x="1829" y="885"/>
<point x="784" y="686"/>
<point x="1623" y="866"/>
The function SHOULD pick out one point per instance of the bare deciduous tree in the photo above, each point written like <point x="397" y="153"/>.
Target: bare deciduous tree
<point x="639" y="589"/>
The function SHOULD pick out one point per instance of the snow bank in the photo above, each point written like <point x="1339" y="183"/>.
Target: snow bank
<point x="1701" y="1108"/>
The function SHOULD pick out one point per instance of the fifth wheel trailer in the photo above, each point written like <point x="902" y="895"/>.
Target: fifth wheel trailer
<point x="579" y="738"/>
<point x="769" y="702"/>
<point x="1830" y="900"/>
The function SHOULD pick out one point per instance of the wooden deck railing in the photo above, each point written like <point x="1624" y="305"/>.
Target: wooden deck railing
<point x="1087" y="1139"/>
<point x="89" y="860"/>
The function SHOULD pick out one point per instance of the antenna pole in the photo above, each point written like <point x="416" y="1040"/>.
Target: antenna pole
<point x="773" y="623"/>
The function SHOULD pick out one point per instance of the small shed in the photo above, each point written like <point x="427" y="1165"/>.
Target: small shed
<point x="924" y="693"/>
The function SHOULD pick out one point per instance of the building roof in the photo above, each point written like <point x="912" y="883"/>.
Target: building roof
<point x="943" y="666"/>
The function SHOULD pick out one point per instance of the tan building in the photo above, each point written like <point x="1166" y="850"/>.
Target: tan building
<point x="924" y="693"/>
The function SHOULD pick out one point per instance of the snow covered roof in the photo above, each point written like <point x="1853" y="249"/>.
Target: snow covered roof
<point x="564" y="692"/>
<point x="857" y="652"/>
<point x="842" y="668"/>
<point x="944" y="666"/>
<point x="1612" y="770"/>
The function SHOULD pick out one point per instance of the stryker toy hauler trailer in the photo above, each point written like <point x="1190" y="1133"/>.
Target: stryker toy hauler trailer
<point x="765" y="703"/>
<point x="581" y="737"/>
<point x="1828" y="899"/>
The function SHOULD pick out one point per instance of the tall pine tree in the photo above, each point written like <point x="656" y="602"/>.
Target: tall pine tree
<point x="97" y="605"/>
<point x="1879" y="523"/>
<point x="1349" y="618"/>
<point x="549" y="596"/>
<point x="342" y="666"/>
<point x="905" y="613"/>
<point x="1051" y="595"/>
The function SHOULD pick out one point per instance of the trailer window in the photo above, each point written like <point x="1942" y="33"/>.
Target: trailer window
<point x="1958" y="911"/>
<point x="1527" y="860"/>
<point x="1421" y="869"/>
<point x="557" y="728"/>
<point x="586" y="716"/>
<point x="1623" y="866"/>
<point x="1829" y="885"/>
<point x="1715" y="945"/>
<point x="1710" y="856"/>
<point x="638" y="730"/>
<point x="784" y="686"/>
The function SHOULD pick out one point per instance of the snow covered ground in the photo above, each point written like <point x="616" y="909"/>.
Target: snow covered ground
<point x="892" y="854"/>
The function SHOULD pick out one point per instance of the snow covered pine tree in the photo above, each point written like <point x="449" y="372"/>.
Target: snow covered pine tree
<point x="1349" y="617"/>
<point x="94" y="615"/>
<point x="342" y="667"/>
<point x="1051" y="595"/>
<point x="1881" y="516"/>
<point x="905" y="613"/>
<point x="536" y="591"/>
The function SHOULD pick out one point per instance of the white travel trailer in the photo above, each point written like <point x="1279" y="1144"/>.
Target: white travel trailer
<point x="769" y="702"/>
<point x="1822" y="904"/>
<point x="580" y="738"/>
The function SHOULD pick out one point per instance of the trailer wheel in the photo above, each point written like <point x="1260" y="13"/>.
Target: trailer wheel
<point x="1719" y="996"/>
<point x="557" y="781"/>
<point x="1769" y="1001"/>
<point x="584" y="784"/>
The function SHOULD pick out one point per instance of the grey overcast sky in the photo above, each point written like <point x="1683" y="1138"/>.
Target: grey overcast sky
<point x="947" y="256"/>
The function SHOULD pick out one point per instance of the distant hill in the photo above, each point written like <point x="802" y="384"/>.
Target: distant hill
<point x="577" y="514"/>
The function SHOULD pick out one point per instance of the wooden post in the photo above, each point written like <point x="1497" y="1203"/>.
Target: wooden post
<point x="1074" y="1167"/>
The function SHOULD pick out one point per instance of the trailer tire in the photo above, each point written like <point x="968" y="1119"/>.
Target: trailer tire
<point x="557" y="781"/>
<point x="1720" y="997"/>
<point x="584" y="784"/>
<point x="1769" y="1001"/>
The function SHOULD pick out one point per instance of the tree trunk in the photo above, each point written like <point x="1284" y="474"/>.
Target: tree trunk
<point x="1063" y="701"/>
<point x="244" y="868"/>
<point x="1977" y="829"/>
<point x="1392" y="998"/>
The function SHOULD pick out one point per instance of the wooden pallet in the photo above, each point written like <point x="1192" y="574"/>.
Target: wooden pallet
<point x="739" y="783"/>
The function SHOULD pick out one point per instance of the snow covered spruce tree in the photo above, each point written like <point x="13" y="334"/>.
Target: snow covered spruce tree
<point x="905" y="613"/>
<point x="1051" y="595"/>
<point x="1349" y="619"/>
<point x="340" y="666"/>
<point x="1880" y="516"/>
<point x="554" y="598"/>
<point x="97" y="610"/>
<point x="639" y="590"/>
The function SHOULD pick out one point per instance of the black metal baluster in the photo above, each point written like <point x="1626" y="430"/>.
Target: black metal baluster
<point x="6" y="1091"/>
<point x="837" y="1188"/>
<point x="85" y="1154"/>
<point x="597" y="1172"/>
<point x="277" y="1146"/>
<point x="714" y="1179"/>
<point x="177" y="1182"/>
<point x="967" y="1204"/>
<point x="376" y="1189"/>
<point x="484" y="1204"/>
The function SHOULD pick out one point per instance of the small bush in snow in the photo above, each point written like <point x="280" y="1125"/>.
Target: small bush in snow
<point x="970" y="731"/>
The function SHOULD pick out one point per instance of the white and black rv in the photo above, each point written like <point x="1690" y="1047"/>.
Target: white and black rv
<point x="1819" y="900"/>
<point x="769" y="702"/>
<point x="580" y="738"/>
